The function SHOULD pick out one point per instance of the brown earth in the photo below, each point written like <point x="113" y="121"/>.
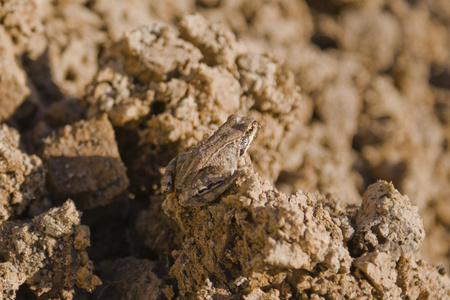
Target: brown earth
<point x="348" y="193"/>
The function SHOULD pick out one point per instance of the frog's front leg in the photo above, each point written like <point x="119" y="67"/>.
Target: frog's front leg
<point x="168" y="179"/>
<point x="169" y="176"/>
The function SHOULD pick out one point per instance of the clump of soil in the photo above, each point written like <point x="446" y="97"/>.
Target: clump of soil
<point x="23" y="175"/>
<point x="48" y="253"/>
<point x="83" y="163"/>
<point x="96" y="97"/>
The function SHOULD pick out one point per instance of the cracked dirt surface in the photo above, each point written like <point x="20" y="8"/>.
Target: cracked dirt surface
<point x="347" y="193"/>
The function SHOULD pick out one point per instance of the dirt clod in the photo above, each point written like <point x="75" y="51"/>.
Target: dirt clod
<point x="43" y="254"/>
<point x="84" y="164"/>
<point x="23" y="175"/>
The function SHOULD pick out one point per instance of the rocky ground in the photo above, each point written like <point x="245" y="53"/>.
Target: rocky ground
<point x="347" y="193"/>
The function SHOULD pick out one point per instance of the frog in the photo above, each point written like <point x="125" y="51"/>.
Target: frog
<point x="207" y="170"/>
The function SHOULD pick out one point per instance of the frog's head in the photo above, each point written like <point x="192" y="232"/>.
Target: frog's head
<point x="249" y="127"/>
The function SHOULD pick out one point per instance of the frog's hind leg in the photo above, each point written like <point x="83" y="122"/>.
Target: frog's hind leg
<point x="217" y="191"/>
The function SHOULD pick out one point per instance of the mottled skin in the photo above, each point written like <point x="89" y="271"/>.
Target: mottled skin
<point x="209" y="169"/>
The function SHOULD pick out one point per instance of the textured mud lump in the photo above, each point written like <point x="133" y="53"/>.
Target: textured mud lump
<point x="74" y="34"/>
<point x="22" y="176"/>
<point x="48" y="254"/>
<point x="23" y="20"/>
<point x="257" y="242"/>
<point x="83" y="163"/>
<point x="259" y="235"/>
<point x="387" y="222"/>
<point x="418" y="279"/>
<point x="158" y="55"/>
<point x="380" y="271"/>
<point x="132" y="278"/>
<point x="388" y="233"/>
<point x="216" y="42"/>
<point x="13" y="88"/>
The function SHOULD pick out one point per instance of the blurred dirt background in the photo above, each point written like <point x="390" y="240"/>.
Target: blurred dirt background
<point x="97" y="96"/>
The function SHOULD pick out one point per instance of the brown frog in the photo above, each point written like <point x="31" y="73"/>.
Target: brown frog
<point x="209" y="169"/>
